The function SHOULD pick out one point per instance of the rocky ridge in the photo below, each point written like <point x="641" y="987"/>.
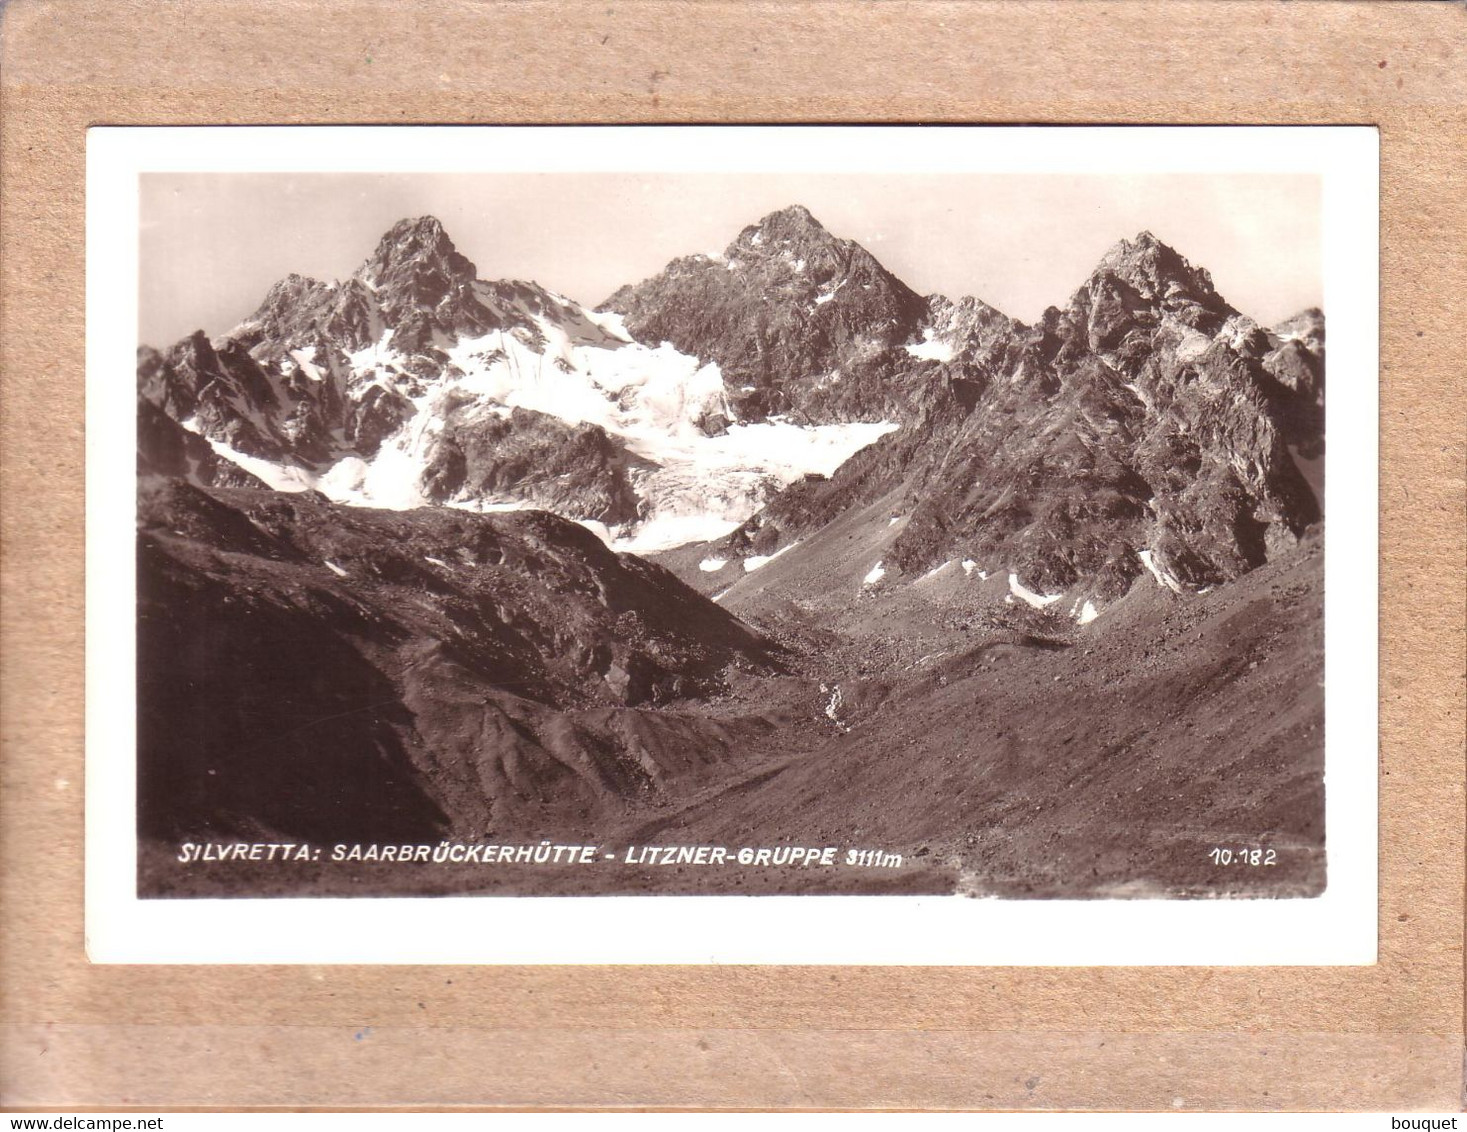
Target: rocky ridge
<point x="1147" y="426"/>
<point x="323" y="370"/>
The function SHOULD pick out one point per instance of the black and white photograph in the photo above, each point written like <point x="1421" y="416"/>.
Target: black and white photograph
<point x="875" y="528"/>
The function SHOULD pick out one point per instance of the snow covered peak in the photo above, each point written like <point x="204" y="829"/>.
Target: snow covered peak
<point x="415" y="383"/>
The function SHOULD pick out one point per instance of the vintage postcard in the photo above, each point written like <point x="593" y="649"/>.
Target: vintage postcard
<point x="717" y="544"/>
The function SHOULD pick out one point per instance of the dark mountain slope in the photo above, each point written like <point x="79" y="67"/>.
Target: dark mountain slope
<point x="167" y="449"/>
<point x="317" y="671"/>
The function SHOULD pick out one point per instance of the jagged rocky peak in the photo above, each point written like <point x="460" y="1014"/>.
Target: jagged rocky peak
<point x="196" y="345"/>
<point x="292" y="291"/>
<point x="288" y="313"/>
<point x="968" y="319"/>
<point x="424" y="287"/>
<point x="414" y="244"/>
<point x="792" y="225"/>
<point x="792" y="244"/>
<point x="1146" y="424"/>
<point x="798" y="320"/>
<point x="965" y="308"/>
<point x="194" y="358"/>
<point x="1140" y="285"/>
<point x="1156" y="270"/>
<point x="1143" y="280"/>
<point x="416" y="283"/>
<point x="788" y="249"/>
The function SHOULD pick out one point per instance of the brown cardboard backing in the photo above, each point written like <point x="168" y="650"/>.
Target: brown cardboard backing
<point x="1381" y="1037"/>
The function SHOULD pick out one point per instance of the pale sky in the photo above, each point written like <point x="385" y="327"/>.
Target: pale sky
<point x="211" y="244"/>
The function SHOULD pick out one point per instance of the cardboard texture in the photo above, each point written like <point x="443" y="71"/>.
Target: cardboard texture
<point x="1382" y="1037"/>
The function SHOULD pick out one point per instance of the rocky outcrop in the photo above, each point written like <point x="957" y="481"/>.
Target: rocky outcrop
<point x="518" y="454"/>
<point x="222" y="391"/>
<point x="1296" y="363"/>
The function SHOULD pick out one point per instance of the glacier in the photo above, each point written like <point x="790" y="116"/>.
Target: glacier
<point x="551" y="355"/>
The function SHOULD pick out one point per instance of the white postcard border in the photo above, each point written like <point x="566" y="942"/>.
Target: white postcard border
<point x="1338" y="927"/>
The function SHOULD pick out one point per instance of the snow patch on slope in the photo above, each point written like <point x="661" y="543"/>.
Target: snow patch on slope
<point x="1024" y="594"/>
<point x="833" y="705"/>
<point x="825" y="296"/>
<point x="279" y="477"/>
<point x="308" y="367"/>
<point x="931" y="348"/>
<point x="758" y="560"/>
<point x="1163" y="576"/>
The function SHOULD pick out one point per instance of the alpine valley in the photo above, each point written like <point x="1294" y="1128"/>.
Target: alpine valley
<point x="766" y="550"/>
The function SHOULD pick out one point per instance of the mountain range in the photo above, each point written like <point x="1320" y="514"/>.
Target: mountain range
<point x="562" y="569"/>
